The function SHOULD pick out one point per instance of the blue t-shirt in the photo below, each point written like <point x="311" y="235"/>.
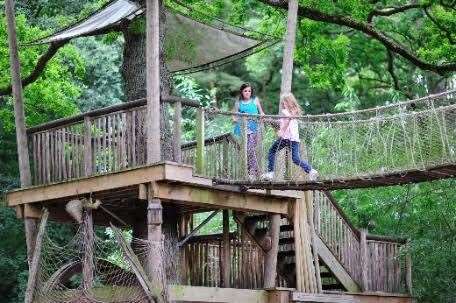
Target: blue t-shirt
<point x="248" y="107"/>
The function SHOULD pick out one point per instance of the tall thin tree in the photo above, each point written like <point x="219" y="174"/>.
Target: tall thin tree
<point x="19" y="115"/>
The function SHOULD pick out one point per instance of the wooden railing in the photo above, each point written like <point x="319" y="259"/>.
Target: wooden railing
<point x="100" y="141"/>
<point x="202" y="259"/>
<point x="218" y="152"/>
<point x="339" y="235"/>
<point x="387" y="268"/>
<point x="376" y="263"/>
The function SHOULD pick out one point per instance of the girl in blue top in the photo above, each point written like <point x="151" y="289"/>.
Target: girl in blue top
<point x="249" y="104"/>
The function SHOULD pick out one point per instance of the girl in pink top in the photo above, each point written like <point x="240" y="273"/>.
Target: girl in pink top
<point x="289" y="137"/>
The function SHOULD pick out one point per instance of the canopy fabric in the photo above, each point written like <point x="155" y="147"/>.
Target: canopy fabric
<point x="190" y="45"/>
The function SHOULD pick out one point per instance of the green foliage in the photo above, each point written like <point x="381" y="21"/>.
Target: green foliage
<point x="336" y="69"/>
<point x="102" y="83"/>
<point x="424" y="213"/>
<point x="13" y="257"/>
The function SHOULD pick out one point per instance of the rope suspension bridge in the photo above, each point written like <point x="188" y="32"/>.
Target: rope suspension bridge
<point x="405" y="142"/>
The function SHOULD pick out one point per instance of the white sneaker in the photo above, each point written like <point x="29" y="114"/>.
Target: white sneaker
<point x="268" y="176"/>
<point x="313" y="175"/>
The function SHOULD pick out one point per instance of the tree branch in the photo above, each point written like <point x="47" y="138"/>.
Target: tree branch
<point x="391" y="11"/>
<point x="439" y="26"/>
<point x="391" y="69"/>
<point x="370" y="31"/>
<point x="39" y="68"/>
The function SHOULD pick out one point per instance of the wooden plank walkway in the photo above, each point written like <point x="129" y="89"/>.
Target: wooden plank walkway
<point x="390" y="179"/>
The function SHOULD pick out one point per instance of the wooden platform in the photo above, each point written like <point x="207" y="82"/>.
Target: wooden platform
<point x="390" y="179"/>
<point x="183" y="293"/>
<point x="174" y="184"/>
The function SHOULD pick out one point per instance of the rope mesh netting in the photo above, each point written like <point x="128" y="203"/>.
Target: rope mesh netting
<point x="413" y="135"/>
<point x="63" y="277"/>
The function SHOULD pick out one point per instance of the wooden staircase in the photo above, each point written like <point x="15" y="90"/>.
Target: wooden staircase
<point x="334" y="276"/>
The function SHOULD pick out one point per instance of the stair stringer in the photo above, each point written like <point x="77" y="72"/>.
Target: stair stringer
<point x="335" y="267"/>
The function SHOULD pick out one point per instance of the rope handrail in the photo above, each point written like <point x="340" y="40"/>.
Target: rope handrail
<point x="328" y="116"/>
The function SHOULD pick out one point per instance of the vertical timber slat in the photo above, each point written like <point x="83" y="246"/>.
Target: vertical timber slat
<point x="200" y="142"/>
<point x="87" y="146"/>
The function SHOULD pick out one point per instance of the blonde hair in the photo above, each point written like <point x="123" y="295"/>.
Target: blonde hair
<point x="292" y="104"/>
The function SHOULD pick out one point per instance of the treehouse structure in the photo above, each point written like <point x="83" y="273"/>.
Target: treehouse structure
<point x="127" y="167"/>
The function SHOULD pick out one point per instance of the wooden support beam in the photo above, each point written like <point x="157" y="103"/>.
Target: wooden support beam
<point x="155" y="259"/>
<point x="320" y="298"/>
<point x="33" y="272"/>
<point x="153" y="80"/>
<point x="364" y="260"/>
<point x="209" y="197"/>
<point x="184" y="293"/>
<point x="287" y="64"/>
<point x="270" y="260"/>
<point x="193" y="232"/>
<point x="87" y="264"/>
<point x="104" y="182"/>
<point x="350" y="297"/>
<point x="305" y="268"/>
<point x="226" y="257"/>
<point x="149" y="289"/>
<point x="336" y="268"/>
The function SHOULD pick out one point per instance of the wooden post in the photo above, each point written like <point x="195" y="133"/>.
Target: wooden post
<point x="153" y="81"/>
<point x="177" y="152"/>
<point x="31" y="282"/>
<point x="364" y="261"/>
<point x="155" y="264"/>
<point x="200" y="142"/>
<point x="87" y="265"/>
<point x="226" y="258"/>
<point x="183" y="222"/>
<point x="408" y="269"/>
<point x="287" y="63"/>
<point x="306" y="280"/>
<point x="309" y="197"/>
<point x="19" y="117"/>
<point x="87" y="146"/>
<point x="270" y="261"/>
<point x="244" y="158"/>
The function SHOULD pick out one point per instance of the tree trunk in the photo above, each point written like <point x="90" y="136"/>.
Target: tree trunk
<point x="134" y="58"/>
<point x="134" y="72"/>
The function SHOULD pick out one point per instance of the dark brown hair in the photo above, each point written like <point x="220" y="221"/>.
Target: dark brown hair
<point x="244" y="86"/>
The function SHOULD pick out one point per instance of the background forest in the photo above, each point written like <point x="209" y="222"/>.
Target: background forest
<point x="350" y="55"/>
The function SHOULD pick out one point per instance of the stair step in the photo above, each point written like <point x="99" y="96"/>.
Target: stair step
<point x="332" y="286"/>
<point x="257" y="218"/>
<point x="286" y="253"/>
<point x="325" y="274"/>
<point x="286" y="241"/>
<point x="283" y="228"/>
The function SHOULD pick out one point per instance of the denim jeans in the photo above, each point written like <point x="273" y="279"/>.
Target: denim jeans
<point x="279" y="144"/>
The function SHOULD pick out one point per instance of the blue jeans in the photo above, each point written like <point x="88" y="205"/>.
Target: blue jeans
<point x="295" y="156"/>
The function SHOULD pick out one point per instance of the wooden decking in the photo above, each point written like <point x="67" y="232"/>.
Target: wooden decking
<point x="173" y="183"/>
